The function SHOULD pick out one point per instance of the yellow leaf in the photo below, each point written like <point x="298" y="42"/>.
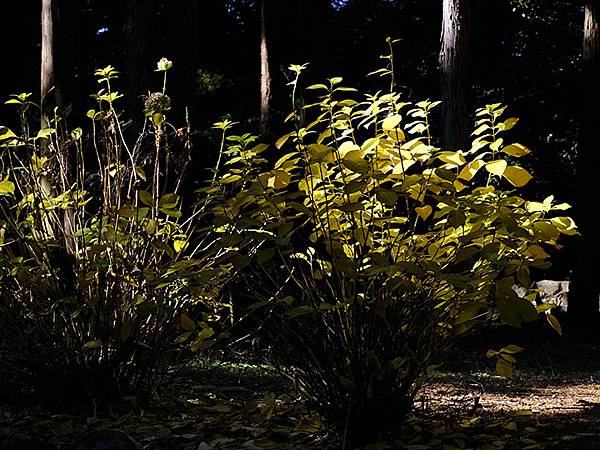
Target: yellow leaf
<point x="346" y="147"/>
<point x="509" y="123"/>
<point x="536" y="252"/>
<point x="454" y="158"/>
<point x="180" y="245"/>
<point x="565" y="225"/>
<point x="459" y="186"/>
<point x="424" y="211"/>
<point x="279" y="179"/>
<point x="396" y="134"/>
<point x="7" y="187"/>
<point x="369" y="145"/>
<point x="516" y="150"/>
<point x="469" y="171"/>
<point x="496" y="144"/>
<point x="402" y="166"/>
<point x="6" y="133"/>
<point x="282" y="140"/>
<point x="496" y="167"/>
<point x="517" y="176"/>
<point x="391" y="122"/>
<point x="354" y="161"/>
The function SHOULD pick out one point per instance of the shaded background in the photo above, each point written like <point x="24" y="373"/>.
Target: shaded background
<point x="525" y="53"/>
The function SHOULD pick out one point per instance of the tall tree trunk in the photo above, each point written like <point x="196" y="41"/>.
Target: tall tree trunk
<point x="136" y="62"/>
<point x="265" y="73"/>
<point x="57" y="55"/>
<point x="454" y="62"/>
<point x="47" y="72"/>
<point x="584" y="290"/>
<point x="192" y="11"/>
<point x="56" y="80"/>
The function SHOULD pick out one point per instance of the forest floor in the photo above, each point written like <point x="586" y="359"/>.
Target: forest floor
<point x="552" y="401"/>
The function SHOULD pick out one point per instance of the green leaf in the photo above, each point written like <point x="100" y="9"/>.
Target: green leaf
<point x="424" y="211"/>
<point x="140" y="172"/>
<point x="299" y="311"/>
<point x="511" y="349"/>
<point x="318" y="152"/>
<point x="45" y="133"/>
<point x="465" y="253"/>
<point x="168" y="201"/>
<point x="127" y="211"/>
<point x="76" y="134"/>
<point x="279" y="179"/>
<point x="515" y="310"/>
<point x="265" y="256"/>
<point x="146" y="198"/>
<point x="554" y="323"/>
<point x="175" y="213"/>
<point x="507" y="357"/>
<point x="317" y="86"/>
<point x="187" y="323"/>
<point x="7" y="188"/>
<point x="347" y="384"/>
<point x="386" y="196"/>
<point x="354" y="162"/>
<point x="230" y="179"/>
<point x="93" y="344"/>
<point x="504" y="368"/>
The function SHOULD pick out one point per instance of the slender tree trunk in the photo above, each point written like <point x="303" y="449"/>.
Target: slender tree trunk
<point x="136" y="62"/>
<point x="47" y="72"/>
<point x="265" y="74"/>
<point x="56" y="79"/>
<point x="57" y="55"/>
<point x="454" y="62"/>
<point x="192" y="10"/>
<point x="585" y="289"/>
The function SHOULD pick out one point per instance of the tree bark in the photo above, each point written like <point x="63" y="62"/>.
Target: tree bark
<point x="192" y="11"/>
<point x="56" y="80"/>
<point x="454" y="61"/>
<point x="585" y="289"/>
<point x="47" y="67"/>
<point x="136" y="62"/>
<point x="265" y="73"/>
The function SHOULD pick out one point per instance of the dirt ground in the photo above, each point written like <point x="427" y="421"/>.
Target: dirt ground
<point x="552" y="401"/>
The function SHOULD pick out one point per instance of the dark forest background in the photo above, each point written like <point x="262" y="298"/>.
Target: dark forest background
<point x="525" y="53"/>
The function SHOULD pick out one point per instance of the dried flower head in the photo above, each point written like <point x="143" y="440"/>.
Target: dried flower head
<point x="157" y="102"/>
<point x="163" y="65"/>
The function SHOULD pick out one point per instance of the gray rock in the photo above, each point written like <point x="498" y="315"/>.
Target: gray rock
<point x="555" y="292"/>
